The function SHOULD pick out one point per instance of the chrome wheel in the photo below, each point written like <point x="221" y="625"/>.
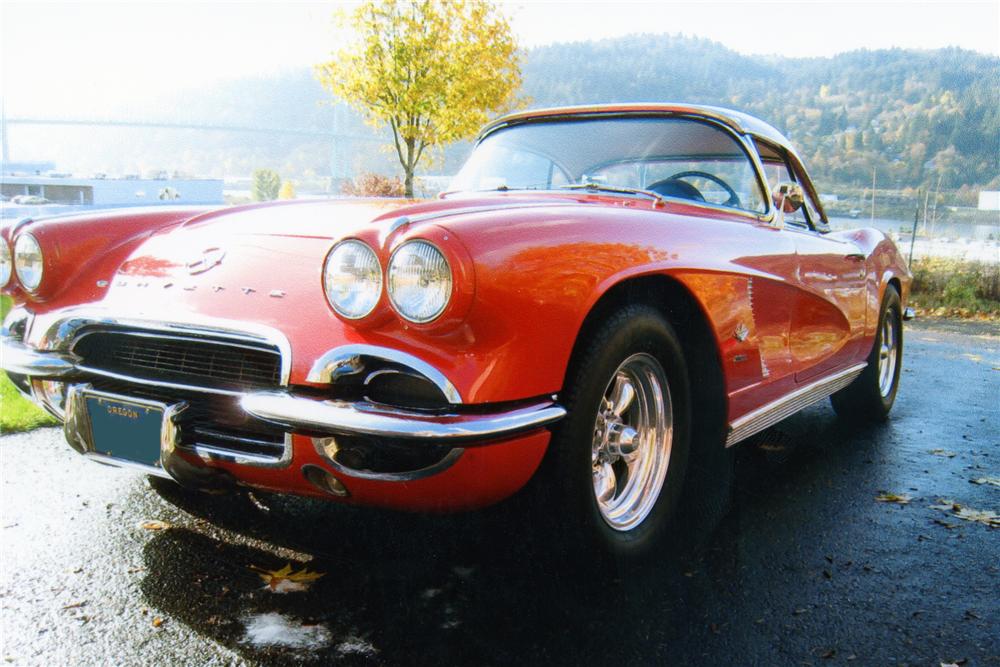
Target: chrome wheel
<point x="633" y="434"/>
<point x="888" y="354"/>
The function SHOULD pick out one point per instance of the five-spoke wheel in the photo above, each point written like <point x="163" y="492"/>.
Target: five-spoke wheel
<point x="630" y="452"/>
<point x="618" y="458"/>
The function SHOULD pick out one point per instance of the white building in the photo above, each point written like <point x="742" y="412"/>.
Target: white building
<point x="989" y="200"/>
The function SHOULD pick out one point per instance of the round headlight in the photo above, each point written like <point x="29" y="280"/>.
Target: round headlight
<point x="352" y="279"/>
<point x="419" y="281"/>
<point x="5" y="262"/>
<point x="28" y="261"/>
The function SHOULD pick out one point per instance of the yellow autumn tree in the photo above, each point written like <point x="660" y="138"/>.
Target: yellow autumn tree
<point x="432" y="70"/>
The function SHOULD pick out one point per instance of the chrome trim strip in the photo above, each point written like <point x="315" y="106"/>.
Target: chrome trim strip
<point x="772" y="413"/>
<point x="338" y="417"/>
<point x="348" y="360"/>
<point x="16" y="357"/>
<point x="448" y="461"/>
<point x="158" y="383"/>
<point x="471" y="210"/>
<point x="159" y="335"/>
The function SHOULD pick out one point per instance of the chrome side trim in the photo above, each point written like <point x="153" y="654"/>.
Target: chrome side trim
<point x="775" y="411"/>
<point x="448" y="461"/>
<point x="16" y="357"/>
<point x="338" y="417"/>
<point x="349" y="360"/>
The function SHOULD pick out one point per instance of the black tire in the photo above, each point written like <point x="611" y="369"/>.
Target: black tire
<point x="634" y="345"/>
<point x="870" y="396"/>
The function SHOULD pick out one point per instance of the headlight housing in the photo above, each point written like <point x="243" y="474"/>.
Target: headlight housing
<point x="28" y="261"/>
<point x="352" y="279"/>
<point x="419" y="281"/>
<point x="6" y="263"/>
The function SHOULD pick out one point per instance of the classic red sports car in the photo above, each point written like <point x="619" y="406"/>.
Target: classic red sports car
<point x="609" y="299"/>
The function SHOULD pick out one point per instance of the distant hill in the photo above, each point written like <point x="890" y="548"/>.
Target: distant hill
<point x="918" y="117"/>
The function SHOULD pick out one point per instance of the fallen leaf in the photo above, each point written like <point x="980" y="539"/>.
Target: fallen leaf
<point x="946" y="505"/>
<point x="985" y="517"/>
<point x="285" y="580"/>
<point x="157" y="622"/>
<point x="75" y="605"/>
<point x="947" y="525"/>
<point x="829" y="654"/>
<point x="155" y="524"/>
<point x="943" y="452"/>
<point x="900" y="498"/>
<point x="991" y="481"/>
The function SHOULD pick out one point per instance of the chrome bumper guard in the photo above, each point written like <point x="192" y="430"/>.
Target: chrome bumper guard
<point x="342" y="418"/>
<point x="16" y="357"/>
<point x="79" y="435"/>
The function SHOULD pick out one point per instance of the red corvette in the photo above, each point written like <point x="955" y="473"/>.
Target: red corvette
<point x="609" y="299"/>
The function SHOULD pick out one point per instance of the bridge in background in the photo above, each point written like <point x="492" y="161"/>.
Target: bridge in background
<point x="341" y="143"/>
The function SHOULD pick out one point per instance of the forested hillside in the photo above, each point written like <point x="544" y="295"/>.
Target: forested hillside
<point x="915" y="116"/>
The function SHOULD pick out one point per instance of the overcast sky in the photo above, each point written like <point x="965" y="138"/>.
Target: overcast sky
<point x="101" y="55"/>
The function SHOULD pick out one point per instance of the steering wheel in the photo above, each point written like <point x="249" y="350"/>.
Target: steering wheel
<point x="674" y="187"/>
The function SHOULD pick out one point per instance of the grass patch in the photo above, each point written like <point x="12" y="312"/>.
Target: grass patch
<point x="947" y="287"/>
<point x="16" y="412"/>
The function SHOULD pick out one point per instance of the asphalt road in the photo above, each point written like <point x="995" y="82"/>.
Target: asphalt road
<point x="809" y="568"/>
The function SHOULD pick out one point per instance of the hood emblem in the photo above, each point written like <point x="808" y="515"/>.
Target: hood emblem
<point x="208" y="259"/>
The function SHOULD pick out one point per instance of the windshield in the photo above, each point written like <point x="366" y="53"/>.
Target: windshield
<point x="672" y="157"/>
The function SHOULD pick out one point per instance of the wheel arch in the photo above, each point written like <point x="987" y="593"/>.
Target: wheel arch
<point x="679" y="306"/>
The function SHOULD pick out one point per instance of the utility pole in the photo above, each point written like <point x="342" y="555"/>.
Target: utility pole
<point x="873" y="196"/>
<point x="916" y="217"/>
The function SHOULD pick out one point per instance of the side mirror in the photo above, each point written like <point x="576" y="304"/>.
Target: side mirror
<point x="788" y="197"/>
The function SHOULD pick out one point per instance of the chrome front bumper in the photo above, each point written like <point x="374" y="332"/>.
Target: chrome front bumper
<point x="342" y="418"/>
<point x="326" y="417"/>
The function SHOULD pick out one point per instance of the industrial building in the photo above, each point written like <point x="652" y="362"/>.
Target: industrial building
<point x="111" y="192"/>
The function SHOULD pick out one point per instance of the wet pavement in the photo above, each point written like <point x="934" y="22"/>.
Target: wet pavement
<point x="808" y="568"/>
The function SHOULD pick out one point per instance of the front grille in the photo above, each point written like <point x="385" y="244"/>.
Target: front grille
<point x="212" y="363"/>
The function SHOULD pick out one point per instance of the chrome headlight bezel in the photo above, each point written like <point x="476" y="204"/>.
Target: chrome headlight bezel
<point x="29" y="277"/>
<point x="341" y="305"/>
<point x="430" y="306"/>
<point x="6" y="262"/>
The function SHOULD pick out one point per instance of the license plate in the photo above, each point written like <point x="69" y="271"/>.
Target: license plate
<point x="125" y="430"/>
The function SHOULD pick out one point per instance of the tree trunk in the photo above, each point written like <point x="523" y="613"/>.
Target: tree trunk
<point x="408" y="183"/>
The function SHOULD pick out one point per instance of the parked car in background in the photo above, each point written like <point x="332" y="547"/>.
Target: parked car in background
<point x="606" y="302"/>
<point x="29" y="200"/>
